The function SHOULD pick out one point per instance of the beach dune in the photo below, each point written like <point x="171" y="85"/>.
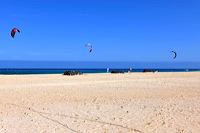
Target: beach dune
<point x="100" y="103"/>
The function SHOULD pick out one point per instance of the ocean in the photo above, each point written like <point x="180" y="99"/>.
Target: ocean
<point x="103" y="70"/>
<point x="58" y="67"/>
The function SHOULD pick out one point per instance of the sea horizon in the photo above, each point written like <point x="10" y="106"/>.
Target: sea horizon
<point x="58" y="67"/>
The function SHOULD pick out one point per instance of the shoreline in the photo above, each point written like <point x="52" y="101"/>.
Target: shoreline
<point x="196" y="71"/>
<point x="88" y="73"/>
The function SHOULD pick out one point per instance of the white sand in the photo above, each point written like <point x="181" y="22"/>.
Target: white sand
<point x="100" y="103"/>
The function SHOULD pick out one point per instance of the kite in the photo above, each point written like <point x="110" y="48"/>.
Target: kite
<point x="13" y="32"/>
<point x="89" y="46"/>
<point x="175" y="54"/>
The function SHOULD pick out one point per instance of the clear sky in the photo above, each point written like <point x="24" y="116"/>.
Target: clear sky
<point x="124" y="30"/>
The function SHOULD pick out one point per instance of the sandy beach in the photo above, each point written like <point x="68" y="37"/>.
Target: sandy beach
<point x="100" y="103"/>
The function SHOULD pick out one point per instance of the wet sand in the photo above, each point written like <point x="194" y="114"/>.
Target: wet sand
<point x="100" y="103"/>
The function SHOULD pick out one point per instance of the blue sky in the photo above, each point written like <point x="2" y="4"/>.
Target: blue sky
<point x="126" y="30"/>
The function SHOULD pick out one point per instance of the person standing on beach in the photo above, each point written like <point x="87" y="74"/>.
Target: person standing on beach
<point x="130" y="70"/>
<point x="107" y="70"/>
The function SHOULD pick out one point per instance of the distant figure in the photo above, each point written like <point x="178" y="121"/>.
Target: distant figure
<point x="130" y="70"/>
<point x="107" y="70"/>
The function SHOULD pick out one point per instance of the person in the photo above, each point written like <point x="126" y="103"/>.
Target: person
<point x="107" y="70"/>
<point x="130" y="70"/>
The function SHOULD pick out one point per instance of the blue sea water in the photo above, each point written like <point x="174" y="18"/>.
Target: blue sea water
<point x="58" y="67"/>
<point x="61" y="71"/>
